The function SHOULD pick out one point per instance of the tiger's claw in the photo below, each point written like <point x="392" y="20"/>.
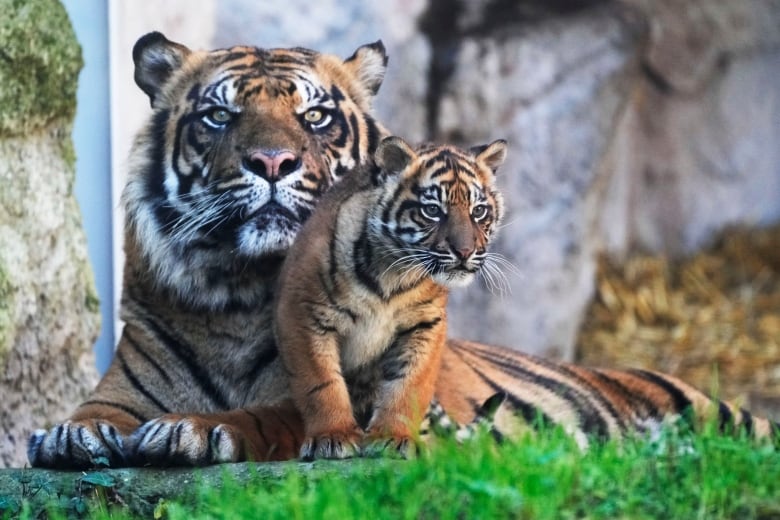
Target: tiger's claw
<point x="331" y="446"/>
<point x="76" y="445"/>
<point x="184" y="441"/>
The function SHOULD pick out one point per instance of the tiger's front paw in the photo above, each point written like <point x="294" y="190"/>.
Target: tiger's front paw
<point x="173" y="440"/>
<point x="76" y="445"/>
<point x="400" y="445"/>
<point x="332" y="445"/>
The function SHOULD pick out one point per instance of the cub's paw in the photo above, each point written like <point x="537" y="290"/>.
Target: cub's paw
<point x="332" y="445"/>
<point x="173" y="440"/>
<point x="401" y="446"/>
<point x="76" y="445"/>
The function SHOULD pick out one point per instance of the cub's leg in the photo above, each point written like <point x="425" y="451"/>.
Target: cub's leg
<point x="409" y="371"/>
<point x="319" y="391"/>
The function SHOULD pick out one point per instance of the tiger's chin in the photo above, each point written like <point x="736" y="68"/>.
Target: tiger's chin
<point x="454" y="278"/>
<point x="272" y="238"/>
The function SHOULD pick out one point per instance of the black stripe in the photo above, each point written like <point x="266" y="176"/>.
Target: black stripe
<point x="356" y="136"/>
<point x="320" y="387"/>
<point x="373" y="134"/>
<point x="186" y="355"/>
<point x="286" y="425"/>
<point x="419" y="326"/>
<point x="327" y="287"/>
<point x="681" y="403"/>
<point x="725" y="417"/>
<point x="392" y="364"/>
<point x="258" y="426"/>
<point x="320" y="327"/>
<point x="442" y="170"/>
<point x="746" y="420"/>
<point x="267" y="354"/>
<point x="138" y="385"/>
<point x="530" y="413"/>
<point x="649" y="408"/>
<point x="137" y="347"/>
<point x="592" y="391"/>
<point x="129" y="411"/>
<point x="363" y="261"/>
<point x="591" y="420"/>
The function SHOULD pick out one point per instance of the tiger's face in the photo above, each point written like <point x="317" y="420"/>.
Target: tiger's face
<point x="439" y="207"/>
<point x="241" y="144"/>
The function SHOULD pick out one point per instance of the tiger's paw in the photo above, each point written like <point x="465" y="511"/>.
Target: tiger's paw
<point x="173" y="440"/>
<point x="76" y="445"/>
<point x="401" y="446"/>
<point x="332" y="445"/>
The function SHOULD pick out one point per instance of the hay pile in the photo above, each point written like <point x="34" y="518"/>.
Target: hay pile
<point x="712" y="319"/>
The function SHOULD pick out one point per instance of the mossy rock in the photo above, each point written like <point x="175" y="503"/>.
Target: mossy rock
<point x="40" y="60"/>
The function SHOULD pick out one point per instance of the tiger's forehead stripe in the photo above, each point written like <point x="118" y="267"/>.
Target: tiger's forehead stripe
<point x="464" y="186"/>
<point x="249" y="71"/>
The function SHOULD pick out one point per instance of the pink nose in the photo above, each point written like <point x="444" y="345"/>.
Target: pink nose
<point x="272" y="165"/>
<point x="463" y="252"/>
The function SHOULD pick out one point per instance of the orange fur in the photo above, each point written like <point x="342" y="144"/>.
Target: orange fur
<point x="359" y="319"/>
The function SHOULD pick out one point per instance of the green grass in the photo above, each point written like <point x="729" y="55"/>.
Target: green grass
<point x="543" y="476"/>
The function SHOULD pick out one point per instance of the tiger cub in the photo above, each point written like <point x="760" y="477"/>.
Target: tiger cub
<point x="360" y="315"/>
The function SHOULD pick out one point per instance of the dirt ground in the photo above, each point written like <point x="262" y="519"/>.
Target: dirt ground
<point x="712" y="319"/>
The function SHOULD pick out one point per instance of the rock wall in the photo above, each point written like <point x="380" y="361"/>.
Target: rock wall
<point x="48" y="305"/>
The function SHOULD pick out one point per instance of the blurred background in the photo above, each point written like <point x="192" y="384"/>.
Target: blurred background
<point x="643" y="179"/>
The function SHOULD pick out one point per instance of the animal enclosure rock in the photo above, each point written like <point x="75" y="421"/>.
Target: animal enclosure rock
<point x="48" y="305"/>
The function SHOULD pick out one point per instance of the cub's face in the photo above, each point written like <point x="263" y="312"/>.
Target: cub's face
<point x="241" y="144"/>
<point x="440" y="207"/>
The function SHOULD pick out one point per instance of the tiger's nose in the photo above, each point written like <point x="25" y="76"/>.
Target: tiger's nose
<point x="272" y="165"/>
<point x="463" y="252"/>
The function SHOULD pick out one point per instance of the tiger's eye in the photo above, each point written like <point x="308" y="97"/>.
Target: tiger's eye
<point x="220" y="115"/>
<point x="430" y="211"/>
<point x="479" y="212"/>
<point x="313" y="115"/>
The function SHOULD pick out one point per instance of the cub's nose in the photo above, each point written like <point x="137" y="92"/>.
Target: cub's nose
<point x="463" y="252"/>
<point x="272" y="165"/>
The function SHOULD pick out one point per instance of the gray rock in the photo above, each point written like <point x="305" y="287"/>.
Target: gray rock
<point x="48" y="304"/>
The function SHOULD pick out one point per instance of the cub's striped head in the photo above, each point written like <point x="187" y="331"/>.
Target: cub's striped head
<point x="439" y="207"/>
<point x="241" y="144"/>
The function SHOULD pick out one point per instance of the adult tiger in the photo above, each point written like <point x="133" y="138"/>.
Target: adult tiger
<point x="240" y="145"/>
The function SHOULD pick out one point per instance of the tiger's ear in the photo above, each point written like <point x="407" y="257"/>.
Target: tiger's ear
<point x="491" y="155"/>
<point x="393" y="155"/>
<point x="156" y="57"/>
<point x="368" y="64"/>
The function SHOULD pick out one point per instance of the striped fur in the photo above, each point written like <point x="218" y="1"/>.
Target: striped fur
<point x="360" y="315"/>
<point x="588" y="403"/>
<point x="241" y="144"/>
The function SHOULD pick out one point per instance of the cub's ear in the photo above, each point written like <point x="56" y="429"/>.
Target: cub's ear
<point x="491" y="155"/>
<point x="393" y="155"/>
<point x="156" y="57"/>
<point x="368" y="64"/>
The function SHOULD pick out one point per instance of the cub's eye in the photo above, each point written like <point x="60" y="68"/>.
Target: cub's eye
<point x="218" y="117"/>
<point x="430" y="211"/>
<point x="479" y="212"/>
<point x="317" y="118"/>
